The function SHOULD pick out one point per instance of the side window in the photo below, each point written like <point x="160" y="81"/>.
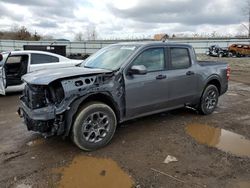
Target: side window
<point x="180" y="58"/>
<point x="17" y="59"/>
<point x="43" y="58"/>
<point x="13" y="59"/>
<point x="152" y="59"/>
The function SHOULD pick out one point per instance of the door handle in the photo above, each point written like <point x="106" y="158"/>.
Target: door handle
<point x="160" y="77"/>
<point x="189" y="73"/>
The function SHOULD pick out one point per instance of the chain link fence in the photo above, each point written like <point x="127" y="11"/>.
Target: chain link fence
<point x="89" y="47"/>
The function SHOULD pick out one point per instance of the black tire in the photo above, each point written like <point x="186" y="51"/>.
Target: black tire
<point x="233" y="53"/>
<point x="220" y="55"/>
<point x="238" y="54"/>
<point x="230" y="54"/>
<point x="94" y="126"/>
<point x="209" y="100"/>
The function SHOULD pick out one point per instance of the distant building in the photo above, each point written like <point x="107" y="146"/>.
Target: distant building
<point x="161" y="36"/>
<point x="63" y="40"/>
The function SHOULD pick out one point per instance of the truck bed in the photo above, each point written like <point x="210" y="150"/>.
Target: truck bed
<point x="208" y="63"/>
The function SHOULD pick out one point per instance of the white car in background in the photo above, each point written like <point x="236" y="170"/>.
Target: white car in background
<point x="15" y="64"/>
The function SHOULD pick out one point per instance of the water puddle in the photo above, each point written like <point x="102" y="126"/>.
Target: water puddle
<point x="239" y="184"/>
<point x="93" y="173"/>
<point x="243" y="184"/>
<point x="222" y="139"/>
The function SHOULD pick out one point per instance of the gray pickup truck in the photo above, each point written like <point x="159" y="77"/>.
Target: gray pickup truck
<point x="118" y="83"/>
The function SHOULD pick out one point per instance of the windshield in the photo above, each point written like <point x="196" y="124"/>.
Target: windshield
<point x="111" y="57"/>
<point x="5" y="55"/>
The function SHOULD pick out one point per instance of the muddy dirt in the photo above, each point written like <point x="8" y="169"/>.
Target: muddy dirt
<point x="135" y="157"/>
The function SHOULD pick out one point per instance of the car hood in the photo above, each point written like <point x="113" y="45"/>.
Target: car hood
<point x="45" y="77"/>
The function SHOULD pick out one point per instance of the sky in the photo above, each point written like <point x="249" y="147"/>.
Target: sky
<point x="123" y="19"/>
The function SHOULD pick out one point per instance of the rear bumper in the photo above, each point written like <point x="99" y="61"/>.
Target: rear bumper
<point x="224" y="89"/>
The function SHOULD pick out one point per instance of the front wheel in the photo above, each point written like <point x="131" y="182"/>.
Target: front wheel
<point x="94" y="126"/>
<point x="209" y="100"/>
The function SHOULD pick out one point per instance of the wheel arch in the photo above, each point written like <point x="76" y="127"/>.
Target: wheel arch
<point x="213" y="80"/>
<point x="105" y="98"/>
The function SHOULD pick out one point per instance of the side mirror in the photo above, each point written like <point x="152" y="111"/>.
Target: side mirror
<point x="1" y="57"/>
<point x="138" y="69"/>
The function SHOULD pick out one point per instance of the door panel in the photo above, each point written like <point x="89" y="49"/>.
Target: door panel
<point x="182" y="77"/>
<point x="2" y="73"/>
<point x="182" y="86"/>
<point x="146" y="93"/>
<point x="2" y="81"/>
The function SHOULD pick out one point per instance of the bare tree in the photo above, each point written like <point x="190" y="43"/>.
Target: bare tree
<point x="36" y="36"/>
<point x="23" y="33"/>
<point x="79" y="36"/>
<point x="246" y="11"/>
<point x="19" y="33"/>
<point x="91" y="32"/>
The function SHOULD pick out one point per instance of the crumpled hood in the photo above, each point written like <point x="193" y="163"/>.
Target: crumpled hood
<point x="44" y="77"/>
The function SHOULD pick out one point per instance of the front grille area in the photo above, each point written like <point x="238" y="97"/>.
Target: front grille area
<point x="35" y="96"/>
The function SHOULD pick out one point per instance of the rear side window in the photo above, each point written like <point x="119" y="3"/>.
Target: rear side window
<point x="180" y="58"/>
<point x="43" y="58"/>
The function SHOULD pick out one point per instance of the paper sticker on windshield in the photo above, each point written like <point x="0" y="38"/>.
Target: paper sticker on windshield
<point x="128" y="48"/>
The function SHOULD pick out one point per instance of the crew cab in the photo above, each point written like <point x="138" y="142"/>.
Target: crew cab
<point x="118" y="83"/>
<point x="15" y="64"/>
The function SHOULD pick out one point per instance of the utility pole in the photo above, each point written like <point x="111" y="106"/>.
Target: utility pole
<point x="246" y="11"/>
<point x="248" y="14"/>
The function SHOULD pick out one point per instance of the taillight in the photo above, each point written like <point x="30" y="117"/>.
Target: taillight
<point x="228" y="72"/>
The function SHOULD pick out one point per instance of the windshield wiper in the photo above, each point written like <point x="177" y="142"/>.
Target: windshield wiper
<point x="79" y="64"/>
<point x="89" y="67"/>
<point x="97" y="68"/>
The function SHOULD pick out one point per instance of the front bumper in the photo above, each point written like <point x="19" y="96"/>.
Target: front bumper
<point x="45" y="113"/>
<point x="39" y="120"/>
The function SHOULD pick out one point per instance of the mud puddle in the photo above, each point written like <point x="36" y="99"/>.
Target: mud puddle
<point x="243" y="184"/>
<point x="222" y="139"/>
<point x="239" y="184"/>
<point x="92" y="173"/>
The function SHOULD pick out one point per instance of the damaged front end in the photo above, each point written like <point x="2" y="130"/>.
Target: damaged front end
<point x="49" y="109"/>
<point x="38" y="108"/>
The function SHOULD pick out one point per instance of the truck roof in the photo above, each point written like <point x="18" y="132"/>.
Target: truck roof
<point x="154" y="43"/>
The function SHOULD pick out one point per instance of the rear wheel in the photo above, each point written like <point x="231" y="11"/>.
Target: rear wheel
<point x="94" y="126"/>
<point x="233" y="53"/>
<point x="220" y="55"/>
<point x="238" y="54"/>
<point x="209" y="100"/>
